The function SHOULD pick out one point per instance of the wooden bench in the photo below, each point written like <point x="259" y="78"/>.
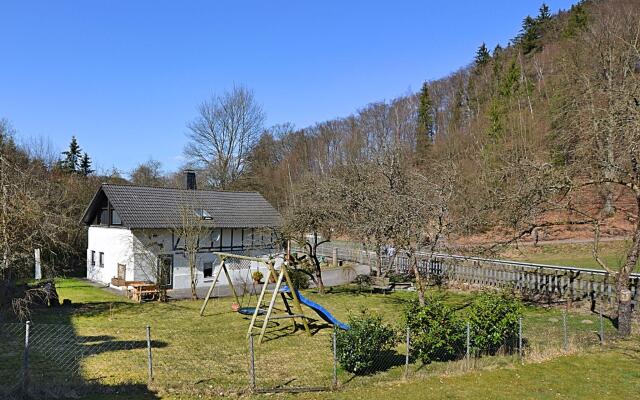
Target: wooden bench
<point x="381" y="283"/>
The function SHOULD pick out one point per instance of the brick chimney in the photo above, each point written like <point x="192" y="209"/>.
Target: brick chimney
<point x="190" y="179"/>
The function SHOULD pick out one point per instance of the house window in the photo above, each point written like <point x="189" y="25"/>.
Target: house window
<point x="208" y="269"/>
<point x="216" y="238"/>
<point x="203" y="214"/>
<point x="101" y="260"/>
<point x="93" y="258"/>
<point x="103" y="219"/>
<point x="115" y="218"/>
<point x="237" y="238"/>
<point x="226" y="239"/>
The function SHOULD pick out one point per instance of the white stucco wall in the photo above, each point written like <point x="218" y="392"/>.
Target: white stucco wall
<point x="137" y="249"/>
<point x="115" y="243"/>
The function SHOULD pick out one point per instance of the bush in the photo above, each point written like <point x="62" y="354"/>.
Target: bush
<point x="437" y="334"/>
<point x="363" y="281"/>
<point x="493" y="319"/>
<point x="360" y="346"/>
<point x="299" y="279"/>
<point x="257" y="276"/>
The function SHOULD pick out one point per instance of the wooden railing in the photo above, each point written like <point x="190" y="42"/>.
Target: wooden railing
<point x="550" y="281"/>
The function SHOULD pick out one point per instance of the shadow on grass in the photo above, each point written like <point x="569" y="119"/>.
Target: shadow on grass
<point x="384" y="361"/>
<point x="57" y="354"/>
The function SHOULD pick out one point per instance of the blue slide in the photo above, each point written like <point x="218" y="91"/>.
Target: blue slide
<point x="321" y="311"/>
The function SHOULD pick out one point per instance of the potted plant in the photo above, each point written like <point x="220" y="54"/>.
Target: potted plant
<point x="257" y="276"/>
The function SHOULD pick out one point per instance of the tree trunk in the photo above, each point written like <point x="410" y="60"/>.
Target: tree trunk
<point x="319" y="281"/>
<point x="419" y="284"/>
<point x="608" y="208"/>
<point x="318" y="270"/>
<point x="193" y="276"/>
<point x="314" y="256"/>
<point x="624" y="311"/>
<point x="622" y="281"/>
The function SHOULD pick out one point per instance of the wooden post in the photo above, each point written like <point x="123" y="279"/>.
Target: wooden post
<point x="149" y="359"/>
<point x="213" y="284"/>
<point x="233" y="290"/>
<point x="256" y="312"/>
<point x="335" y="257"/>
<point x="38" y="272"/>
<point x="271" y="304"/>
<point x="296" y="300"/>
<point x="252" y="365"/>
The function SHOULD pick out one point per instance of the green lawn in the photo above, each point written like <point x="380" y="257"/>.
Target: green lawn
<point x="205" y="356"/>
<point x="578" y="255"/>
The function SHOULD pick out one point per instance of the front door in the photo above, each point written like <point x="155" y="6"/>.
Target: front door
<point x="122" y="272"/>
<point x="165" y="271"/>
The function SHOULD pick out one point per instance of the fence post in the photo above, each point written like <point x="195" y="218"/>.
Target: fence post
<point x="406" y="360"/>
<point x="149" y="359"/>
<point x="565" y="337"/>
<point x="601" y="329"/>
<point x="25" y="358"/>
<point x="468" y="354"/>
<point x="520" y="338"/>
<point x="335" y="359"/>
<point x="252" y="366"/>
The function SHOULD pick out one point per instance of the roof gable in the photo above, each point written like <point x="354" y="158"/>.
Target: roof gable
<point x="154" y="207"/>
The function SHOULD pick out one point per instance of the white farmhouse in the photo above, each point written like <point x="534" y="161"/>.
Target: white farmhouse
<point x="135" y="232"/>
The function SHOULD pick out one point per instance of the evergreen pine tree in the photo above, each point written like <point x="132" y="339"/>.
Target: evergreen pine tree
<point x="545" y="14"/>
<point x="425" y="127"/>
<point x="85" y="165"/>
<point x="577" y="22"/>
<point x="71" y="161"/>
<point x="529" y="35"/>
<point x="482" y="55"/>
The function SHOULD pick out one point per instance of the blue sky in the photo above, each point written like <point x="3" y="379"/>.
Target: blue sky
<point x="126" y="76"/>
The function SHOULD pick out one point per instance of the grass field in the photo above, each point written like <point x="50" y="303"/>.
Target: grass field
<point x="613" y="253"/>
<point x="206" y="356"/>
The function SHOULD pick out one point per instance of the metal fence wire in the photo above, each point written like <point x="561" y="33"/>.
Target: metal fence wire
<point x="53" y="360"/>
<point x="314" y="364"/>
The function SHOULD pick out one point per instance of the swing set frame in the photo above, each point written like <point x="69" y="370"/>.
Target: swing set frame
<point x="280" y="277"/>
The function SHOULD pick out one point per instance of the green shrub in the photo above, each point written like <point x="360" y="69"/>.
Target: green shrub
<point x="437" y="334"/>
<point x="493" y="319"/>
<point x="299" y="279"/>
<point x="359" y="347"/>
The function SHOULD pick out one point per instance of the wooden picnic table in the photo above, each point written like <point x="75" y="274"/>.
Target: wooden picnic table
<point x="141" y="289"/>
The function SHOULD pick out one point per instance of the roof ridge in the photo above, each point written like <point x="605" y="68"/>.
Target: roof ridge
<point x="175" y="188"/>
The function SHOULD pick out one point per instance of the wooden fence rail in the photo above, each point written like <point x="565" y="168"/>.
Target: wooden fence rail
<point x="540" y="280"/>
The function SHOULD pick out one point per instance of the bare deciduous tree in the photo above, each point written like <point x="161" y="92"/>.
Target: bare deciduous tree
<point x="190" y="234"/>
<point x="148" y="173"/>
<point x="602" y="92"/>
<point x="310" y="223"/>
<point x="223" y="134"/>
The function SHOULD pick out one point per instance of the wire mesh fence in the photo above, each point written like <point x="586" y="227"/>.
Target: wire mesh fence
<point x="45" y="360"/>
<point x="50" y="360"/>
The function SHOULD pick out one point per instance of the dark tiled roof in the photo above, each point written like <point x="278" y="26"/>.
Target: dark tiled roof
<point x="153" y="207"/>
